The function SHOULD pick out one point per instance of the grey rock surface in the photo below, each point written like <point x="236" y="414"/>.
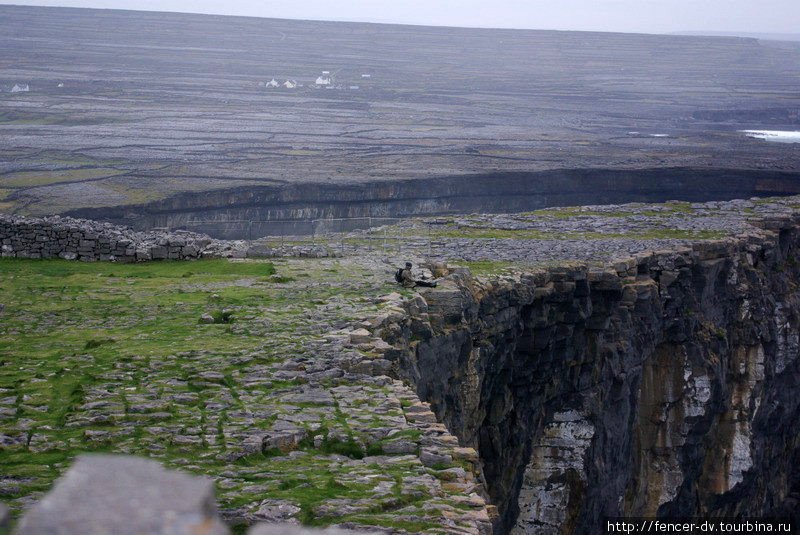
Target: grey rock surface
<point x="5" y="519"/>
<point x="119" y="495"/>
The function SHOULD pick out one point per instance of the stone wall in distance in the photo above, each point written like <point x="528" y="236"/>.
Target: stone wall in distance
<point x="89" y="241"/>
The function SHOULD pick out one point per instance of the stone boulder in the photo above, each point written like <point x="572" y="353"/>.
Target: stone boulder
<point x="5" y="518"/>
<point x="438" y="269"/>
<point x="120" y="495"/>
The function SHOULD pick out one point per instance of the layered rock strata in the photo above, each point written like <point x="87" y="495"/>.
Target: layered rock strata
<point x="272" y="209"/>
<point x="661" y="385"/>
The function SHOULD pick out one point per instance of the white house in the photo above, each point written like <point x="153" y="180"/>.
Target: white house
<point x="272" y="83"/>
<point x="290" y="84"/>
<point x="19" y="88"/>
<point x="366" y="76"/>
<point x="323" y="81"/>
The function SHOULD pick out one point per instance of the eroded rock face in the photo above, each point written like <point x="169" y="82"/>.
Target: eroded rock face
<point x="664" y="385"/>
<point x="493" y="192"/>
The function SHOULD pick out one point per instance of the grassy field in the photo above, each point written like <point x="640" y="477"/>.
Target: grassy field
<point x="40" y="178"/>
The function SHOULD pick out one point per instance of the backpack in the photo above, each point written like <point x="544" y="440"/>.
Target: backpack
<point x="398" y="275"/>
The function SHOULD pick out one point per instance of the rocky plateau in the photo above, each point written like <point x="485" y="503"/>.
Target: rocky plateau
<point x="170" y="120"/>
<point x="533" y="395"/>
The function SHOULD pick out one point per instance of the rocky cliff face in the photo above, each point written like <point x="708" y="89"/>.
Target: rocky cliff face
<point x="224" y="211"/>
<point x="665" y="385"/>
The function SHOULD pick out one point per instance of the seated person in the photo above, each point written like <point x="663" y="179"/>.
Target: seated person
<point x="407" y="279"/>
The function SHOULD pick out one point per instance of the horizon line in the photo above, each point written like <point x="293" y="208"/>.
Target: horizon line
<point x="390" y="22"/>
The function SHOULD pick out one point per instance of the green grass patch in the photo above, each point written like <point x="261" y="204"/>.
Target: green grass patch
<point x="674" y="234"/>
<point x="349" y="448"/>
<point x="374" y="449"/>
<point x="279" y="279"/>
<point x="488" y="267"/>
<point x="221" y="316"/>
<point x="165" y="268"/>
<point x="42" y="178"/>
<point x="97" y="342"/>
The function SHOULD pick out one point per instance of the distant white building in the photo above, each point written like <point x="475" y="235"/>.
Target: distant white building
<point x="353" y="87"/>
<point x="322" y="80"/>
<point x="20" y="88"/>
<point x="290" y="84"/>
<point x="366" y="76"/>
<point x="61" y="84"/>
<point x="272" y="83"/>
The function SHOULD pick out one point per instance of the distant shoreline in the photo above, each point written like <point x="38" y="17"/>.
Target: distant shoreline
<point x="752" y="35"/>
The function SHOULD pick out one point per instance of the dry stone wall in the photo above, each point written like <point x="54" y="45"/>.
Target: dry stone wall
<point x="90" y="241"/>
<point x="82" y="239"/>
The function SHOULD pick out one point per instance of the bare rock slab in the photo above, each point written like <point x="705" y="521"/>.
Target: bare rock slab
<point x="5" y="519"/>
<point x="120" y="495"/>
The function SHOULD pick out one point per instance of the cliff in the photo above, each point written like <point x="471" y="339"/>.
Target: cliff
<point x="274" y="210"/>
<point x="662" y="386"/>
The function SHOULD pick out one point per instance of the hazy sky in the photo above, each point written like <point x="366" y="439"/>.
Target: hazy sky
<point x="651" y="16"/>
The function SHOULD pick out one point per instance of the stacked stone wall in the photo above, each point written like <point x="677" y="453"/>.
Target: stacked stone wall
<point x="89" y="241"/>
